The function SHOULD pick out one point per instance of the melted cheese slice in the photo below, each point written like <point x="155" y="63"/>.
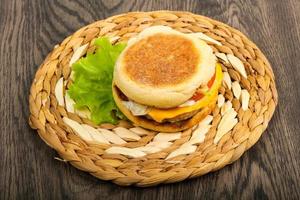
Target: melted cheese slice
<point x="160" y="114"/>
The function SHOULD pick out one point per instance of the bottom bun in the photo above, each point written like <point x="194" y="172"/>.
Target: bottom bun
<point x="165" y="126"/>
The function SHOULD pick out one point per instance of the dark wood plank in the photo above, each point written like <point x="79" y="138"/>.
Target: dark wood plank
<point x="28" y="170"/>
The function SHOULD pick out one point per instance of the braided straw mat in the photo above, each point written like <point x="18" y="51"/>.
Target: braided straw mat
<point x="129" y="155"/>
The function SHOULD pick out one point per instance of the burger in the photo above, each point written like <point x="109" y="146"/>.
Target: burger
<point x="165" y="80"/>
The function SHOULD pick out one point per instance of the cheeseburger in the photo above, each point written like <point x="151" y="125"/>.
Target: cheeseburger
<point x="165" y="80"/>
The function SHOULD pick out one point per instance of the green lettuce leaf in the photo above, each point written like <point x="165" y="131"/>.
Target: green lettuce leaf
<point x="92" y="87"/>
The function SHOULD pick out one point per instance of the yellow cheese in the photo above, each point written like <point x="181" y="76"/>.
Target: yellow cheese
<point x="160" y="114"/>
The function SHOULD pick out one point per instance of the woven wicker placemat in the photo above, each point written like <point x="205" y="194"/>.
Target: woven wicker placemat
<point x="129" y="155"/>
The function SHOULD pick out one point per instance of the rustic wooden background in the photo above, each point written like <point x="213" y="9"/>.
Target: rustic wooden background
<point x="30" y="28"/>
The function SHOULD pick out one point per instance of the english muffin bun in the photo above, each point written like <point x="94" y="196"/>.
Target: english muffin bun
<point x="163" y="68"/>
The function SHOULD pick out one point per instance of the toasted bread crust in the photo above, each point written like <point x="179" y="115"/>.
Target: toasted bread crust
<point x="161" y="60"/>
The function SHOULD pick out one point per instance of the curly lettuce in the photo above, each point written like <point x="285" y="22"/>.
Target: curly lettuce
<point x="92" y="86"/>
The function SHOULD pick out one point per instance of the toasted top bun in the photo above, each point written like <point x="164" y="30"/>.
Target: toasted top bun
<point x="162" y="67"/>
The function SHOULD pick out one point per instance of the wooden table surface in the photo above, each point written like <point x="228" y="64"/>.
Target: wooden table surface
<point x="30" y="28"/>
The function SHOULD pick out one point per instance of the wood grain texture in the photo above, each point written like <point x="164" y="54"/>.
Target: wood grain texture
<point x="30" y="29"/>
